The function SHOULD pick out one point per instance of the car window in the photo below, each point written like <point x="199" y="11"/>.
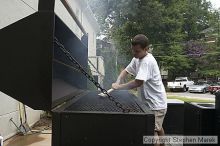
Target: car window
<point x="180" y="80"/>
<point x="199" y="83"/>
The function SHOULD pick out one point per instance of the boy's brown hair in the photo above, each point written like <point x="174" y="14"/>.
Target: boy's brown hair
<point x="141" y="40"/>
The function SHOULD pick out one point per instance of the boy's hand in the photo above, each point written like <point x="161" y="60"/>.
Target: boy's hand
<point x="115" y="86"/>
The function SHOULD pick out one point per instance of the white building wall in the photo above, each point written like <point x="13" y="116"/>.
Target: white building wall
<point x="86" y="18"/>
<point x="14" y="10"/>
<point x="61" y="11"/>
<point x="10" y="12"/>
<point x="81" y="10"/>
<point x="9" y="109"/>
<point x="92" y="37"/>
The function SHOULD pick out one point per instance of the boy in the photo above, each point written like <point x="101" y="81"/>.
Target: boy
<point x="147" y="79"/>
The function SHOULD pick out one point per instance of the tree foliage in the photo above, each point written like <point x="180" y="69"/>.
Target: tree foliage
<point x="171" y="26"/>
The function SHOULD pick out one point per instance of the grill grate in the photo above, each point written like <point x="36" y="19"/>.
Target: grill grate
<point x="93" y="102"/>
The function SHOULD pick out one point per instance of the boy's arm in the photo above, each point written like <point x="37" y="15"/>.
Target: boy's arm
<point x="126" y="86"/>
<point x="122" y="76"/>
<point x="130" y="85"/>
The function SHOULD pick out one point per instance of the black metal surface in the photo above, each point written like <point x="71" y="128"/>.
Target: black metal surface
<point x="93" y="102"/>
<point x="105" y="129"/>
<point x="199" y="119"/>
<point x="47" y="5"/>
<point x="84" y="71"/>
<point x="67" y="80"/>
<point x="33" y="70"/>
<point x="26" y="60"/>
<point x="103" y="124"/>
<point x="217" y="119"/>
<point x="174" y="119"/>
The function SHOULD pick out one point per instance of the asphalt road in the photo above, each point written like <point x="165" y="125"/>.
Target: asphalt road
<point x="187" y="94"/>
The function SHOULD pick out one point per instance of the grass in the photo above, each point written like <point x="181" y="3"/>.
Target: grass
<point x="191" y="99"/>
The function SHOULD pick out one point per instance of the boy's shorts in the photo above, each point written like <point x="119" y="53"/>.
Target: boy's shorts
<point x="159" y="117"/>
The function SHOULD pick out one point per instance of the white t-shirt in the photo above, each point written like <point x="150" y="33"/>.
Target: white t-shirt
<point x="152" y="92"/>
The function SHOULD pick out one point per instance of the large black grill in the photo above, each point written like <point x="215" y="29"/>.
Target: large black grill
<point x="90" y="119"/>
<point x="44" y="78"/>
<point x="93" y="102"/>
<point x="217" y="119"/>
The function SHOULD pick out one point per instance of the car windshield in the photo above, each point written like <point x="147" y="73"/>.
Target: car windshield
<point x="215" y="84"/>
<point x="199" y="83"/>
<point x="180" y="80"/>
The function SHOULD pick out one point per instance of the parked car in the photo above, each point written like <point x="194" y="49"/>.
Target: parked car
<point x="214" y="87"/>
<point x="200" y="87"/>
<point x="180" y="83"/>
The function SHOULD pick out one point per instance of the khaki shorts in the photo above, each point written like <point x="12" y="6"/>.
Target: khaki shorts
<point x="159" y="117"/>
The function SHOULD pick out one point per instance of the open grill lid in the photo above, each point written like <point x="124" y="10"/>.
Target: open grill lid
<point x="33" y="68"/>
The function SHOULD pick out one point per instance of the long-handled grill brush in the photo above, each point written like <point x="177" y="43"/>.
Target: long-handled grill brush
<point x="104" y="95"/>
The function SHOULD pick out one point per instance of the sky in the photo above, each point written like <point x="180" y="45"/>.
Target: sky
<point x="215" y="3"/>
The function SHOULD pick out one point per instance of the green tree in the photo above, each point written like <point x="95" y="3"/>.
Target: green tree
<point x="169" y="25"/>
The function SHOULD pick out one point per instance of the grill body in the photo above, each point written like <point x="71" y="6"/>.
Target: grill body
<point x="217" y="107"/>
<point x="199" y="119"/>
<point x="174" y="119"/>
<point x="93" y="120"/>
